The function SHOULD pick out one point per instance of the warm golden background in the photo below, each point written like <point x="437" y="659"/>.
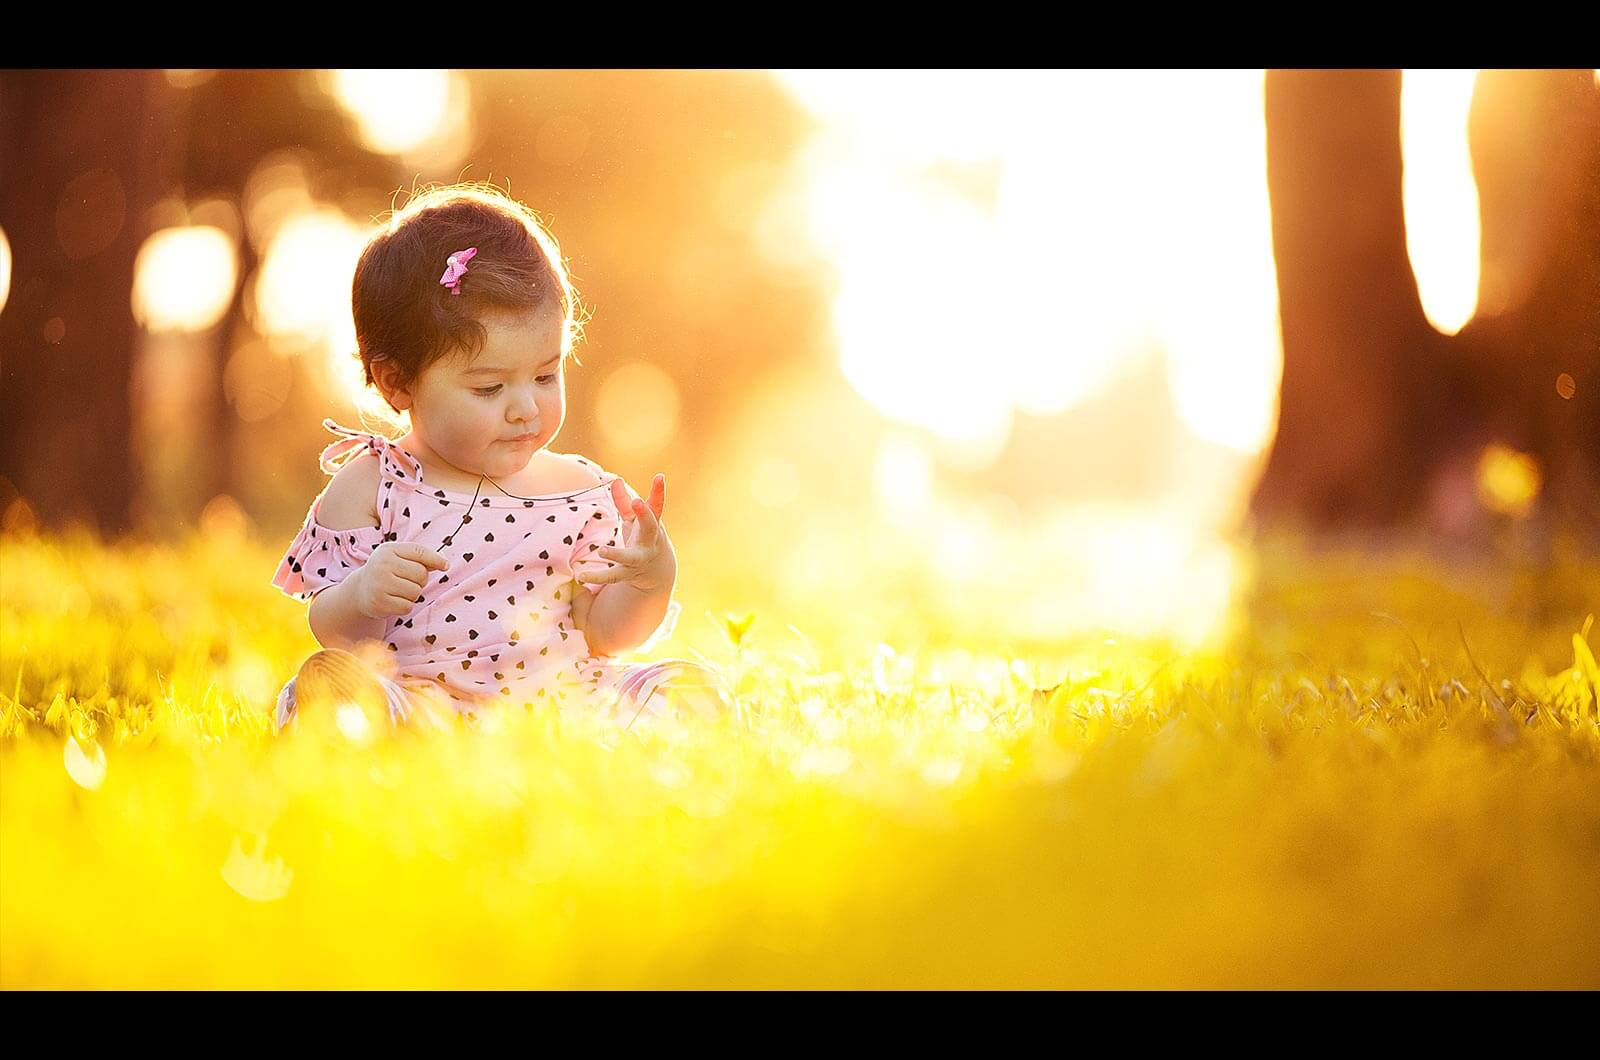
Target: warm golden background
<point x="1119" y="467"/>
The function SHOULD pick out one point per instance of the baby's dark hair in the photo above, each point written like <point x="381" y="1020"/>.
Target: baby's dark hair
<point x="406" y="320"/>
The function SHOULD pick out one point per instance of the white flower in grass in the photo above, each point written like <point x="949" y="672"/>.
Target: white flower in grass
<point x="85" y="762"/>
<point x="253" y="876"/>
<point x="822" y="761"/>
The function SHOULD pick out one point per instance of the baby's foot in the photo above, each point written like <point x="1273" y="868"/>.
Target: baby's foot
<point x="698" y="701"/>
<point x="336" y="692"/>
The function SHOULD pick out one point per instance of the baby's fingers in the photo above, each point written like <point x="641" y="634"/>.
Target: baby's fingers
<point x="403" y="586"/>
<point x="397" y="605"/>
<point x="603" y="577"/>
<point x="421" y="554"/>
<point x="415" y="573"/>
<point x="623" y="554"/>
<point x="390" y="600"/>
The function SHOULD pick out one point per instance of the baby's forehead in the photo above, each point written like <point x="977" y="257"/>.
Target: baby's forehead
<point x="512" y="344"/>
<point x="487" y="361"/>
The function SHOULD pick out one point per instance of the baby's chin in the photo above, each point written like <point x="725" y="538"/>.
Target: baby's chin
<point x="514" y="460"/>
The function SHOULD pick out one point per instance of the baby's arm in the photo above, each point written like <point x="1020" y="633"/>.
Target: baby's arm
<point x="623" y="617"/>
<point x="349" y="502"/>
<point x="635" y="594"/>
<point x="335" y="621"/>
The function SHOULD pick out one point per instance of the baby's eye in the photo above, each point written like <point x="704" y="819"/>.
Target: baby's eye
<point x="491" y="391"/>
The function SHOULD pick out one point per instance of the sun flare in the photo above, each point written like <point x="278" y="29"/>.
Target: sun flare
<point x="1441" y="196"/>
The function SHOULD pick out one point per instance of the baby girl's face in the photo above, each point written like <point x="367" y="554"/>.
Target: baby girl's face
<point x="473" y="414"/>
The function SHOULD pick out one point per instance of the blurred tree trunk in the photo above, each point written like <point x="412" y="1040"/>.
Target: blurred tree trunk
<point x="234" y="121"/>
<point x="1381" y="417"/>
<point x="1535" y="139"/>
<point x="78" y="175"/>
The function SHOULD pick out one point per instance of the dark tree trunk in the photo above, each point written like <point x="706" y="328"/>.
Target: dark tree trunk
<point x="231" y="123"/>
<point x="1381" y="417"/>
<point x="78" y="175"/>
<point x="1536" y="153"/>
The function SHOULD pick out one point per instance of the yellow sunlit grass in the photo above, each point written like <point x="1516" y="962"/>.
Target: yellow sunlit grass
<point x="1441" y="195"/>
<point x="183" y="278"/>
<point x="85" y="765"/>
<point x="1508" y="481"/>
<point x="1332" y="797"/>
<point x="252" y="876"/>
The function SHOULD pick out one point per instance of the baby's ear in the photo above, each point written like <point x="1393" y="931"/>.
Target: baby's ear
<point x="387" y="376"/>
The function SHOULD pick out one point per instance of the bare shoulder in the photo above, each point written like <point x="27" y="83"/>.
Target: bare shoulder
<point x="351" y="499"/>
<point x="566" y="471"/>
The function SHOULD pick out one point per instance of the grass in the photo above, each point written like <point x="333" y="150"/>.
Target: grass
<point x="1333" y="792"/>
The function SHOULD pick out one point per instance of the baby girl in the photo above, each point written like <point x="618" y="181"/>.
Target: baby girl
<point x="465" y="563"/>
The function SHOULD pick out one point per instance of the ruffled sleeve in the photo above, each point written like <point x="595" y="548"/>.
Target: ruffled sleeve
<point x="319" y="556"/>
<point x="603" y="527"/>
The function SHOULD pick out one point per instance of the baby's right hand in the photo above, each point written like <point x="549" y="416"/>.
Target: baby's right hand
<point x="390" y="582"/>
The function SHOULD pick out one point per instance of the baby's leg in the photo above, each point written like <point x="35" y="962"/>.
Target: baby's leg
<point x="341" y="692"/>
<point x="675" y="688"/>
<point x="431" y="708"/>
<point x="695" y="691"/>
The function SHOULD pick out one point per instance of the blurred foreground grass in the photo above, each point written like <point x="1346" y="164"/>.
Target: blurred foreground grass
<point x="1328" y="795"/>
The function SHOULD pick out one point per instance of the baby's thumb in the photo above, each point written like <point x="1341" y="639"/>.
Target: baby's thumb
<point x="423" y="554"/>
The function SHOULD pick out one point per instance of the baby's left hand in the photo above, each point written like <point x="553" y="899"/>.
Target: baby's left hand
<point x="646" y="559"/>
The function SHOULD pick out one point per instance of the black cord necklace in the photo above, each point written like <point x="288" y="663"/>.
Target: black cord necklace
<point x="450" y="537"/>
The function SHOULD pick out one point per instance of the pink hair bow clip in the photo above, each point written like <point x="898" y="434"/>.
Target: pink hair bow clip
<point x="456" y="267"/>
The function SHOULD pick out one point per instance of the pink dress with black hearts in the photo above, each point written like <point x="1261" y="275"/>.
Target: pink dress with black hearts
<point x="497" y="624"/>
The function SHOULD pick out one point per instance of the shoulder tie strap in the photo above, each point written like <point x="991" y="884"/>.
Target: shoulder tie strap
<point x="339" y="453"/>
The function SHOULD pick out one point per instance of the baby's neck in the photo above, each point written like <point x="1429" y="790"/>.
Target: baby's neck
<point x="436" y="471"/>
